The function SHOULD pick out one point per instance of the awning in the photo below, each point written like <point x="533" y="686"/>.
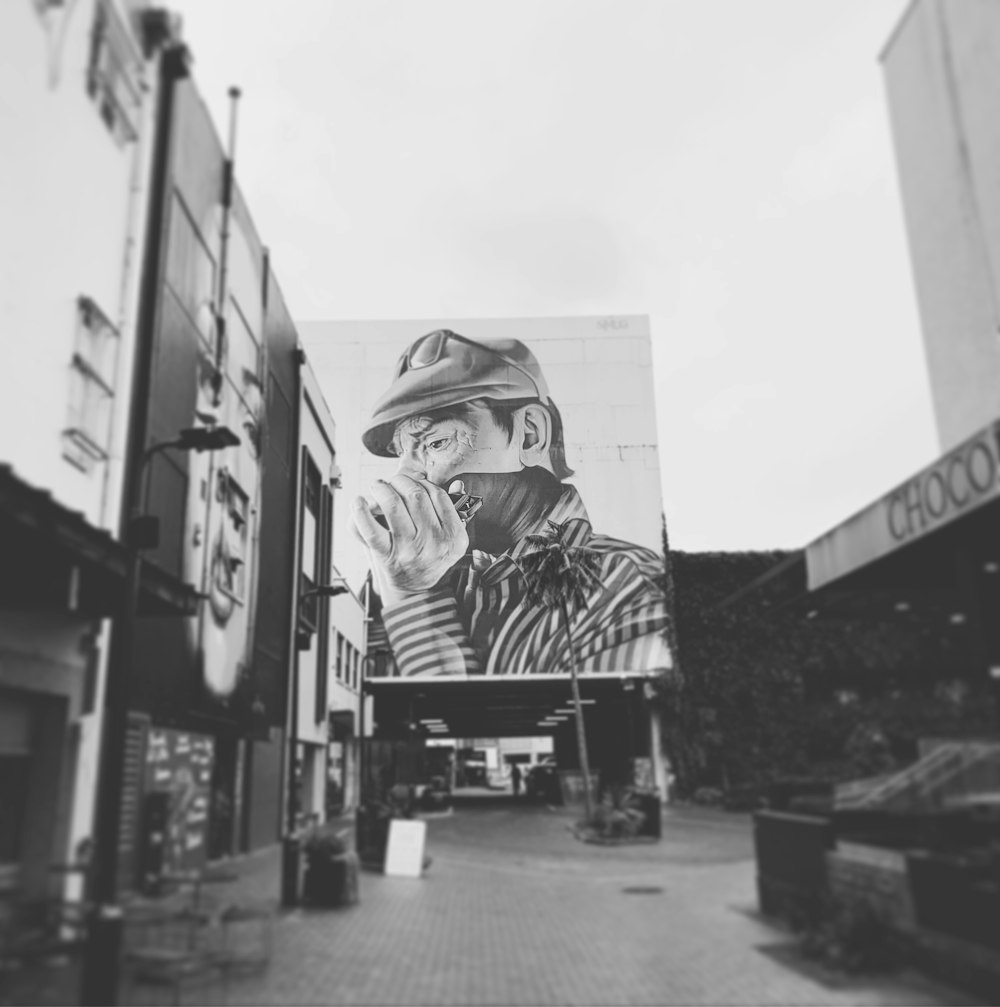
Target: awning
<point x="55" y="560"/>
<point x="501" y="706"/>
<point x="911" y="552"/>
<point x="927" y="506"/>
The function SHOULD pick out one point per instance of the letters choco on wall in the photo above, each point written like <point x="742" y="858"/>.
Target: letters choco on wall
<point x="961" y="481"/>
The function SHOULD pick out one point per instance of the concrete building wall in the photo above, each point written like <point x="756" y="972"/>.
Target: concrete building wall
<point x="348" y="635"/>
<point x="942" y="73"/>
<point x="264" y="817"/>
<point x="72" y="199"/>
<point x="316" y="436"/>
<point x="77" y="139"/>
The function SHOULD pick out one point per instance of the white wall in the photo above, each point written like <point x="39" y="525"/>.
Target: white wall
<point x="347" y="617"/>
<point x="73" y="204"/>
<point x="599" y="375"/>
<point x="316" y="434"/>
<point x="942" y="73"/>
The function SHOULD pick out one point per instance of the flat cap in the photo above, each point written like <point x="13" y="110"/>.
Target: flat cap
<point x="443" y="369"/>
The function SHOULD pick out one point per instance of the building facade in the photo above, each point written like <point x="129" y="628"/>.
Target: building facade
<point x="940" y="69"/>
<point x="927" y="548"/>
<point x="483" y="662"/>
<point x="81" y="87"/>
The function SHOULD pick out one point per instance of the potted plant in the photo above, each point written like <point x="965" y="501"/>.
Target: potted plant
<point x="436" y="797"/>
<point x="331" y="877"/>
<point x="617" y="818"/>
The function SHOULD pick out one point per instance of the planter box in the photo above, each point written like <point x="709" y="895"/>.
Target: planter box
<point x="952" y="896"/>
<point x="331" y="882"/>
<point x="371" y="837"/>
<point x="875" y="877"/>
<point x="791" y="862"/>
<point x="931" y="830"/>
<point x="651" y="808"/>
<point x="571" y="785"/>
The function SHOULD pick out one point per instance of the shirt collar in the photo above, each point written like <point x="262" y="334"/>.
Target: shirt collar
<point x="568" y="507"/>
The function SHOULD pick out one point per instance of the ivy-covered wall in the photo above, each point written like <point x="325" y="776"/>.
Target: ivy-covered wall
<point x="761" y="692"/>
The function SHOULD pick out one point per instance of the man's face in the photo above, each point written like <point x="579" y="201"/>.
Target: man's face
<point x="440" y="449"/>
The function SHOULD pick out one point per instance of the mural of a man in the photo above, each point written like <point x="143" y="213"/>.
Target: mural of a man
<point x="477" y="416"/>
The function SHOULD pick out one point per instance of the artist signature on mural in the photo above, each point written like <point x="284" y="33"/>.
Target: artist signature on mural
<point x="612" y="323"/>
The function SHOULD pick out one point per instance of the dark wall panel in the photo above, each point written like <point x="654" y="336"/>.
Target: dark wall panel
<point x="265" y="792"/>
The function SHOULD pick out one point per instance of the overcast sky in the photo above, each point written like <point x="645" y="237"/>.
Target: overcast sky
<point x="724" y="166"/>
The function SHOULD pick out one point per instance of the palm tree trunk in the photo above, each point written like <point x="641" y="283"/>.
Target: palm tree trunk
<point x="581" y="734"/>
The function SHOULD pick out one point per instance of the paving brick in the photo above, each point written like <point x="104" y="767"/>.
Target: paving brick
<point x="515" y="911"/>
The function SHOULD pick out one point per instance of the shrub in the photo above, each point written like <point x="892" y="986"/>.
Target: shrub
<point x="324" y="843"/>
<point x="618" y="816"/>
<point x="850" y="936"/>
<point x="708" y="795"/>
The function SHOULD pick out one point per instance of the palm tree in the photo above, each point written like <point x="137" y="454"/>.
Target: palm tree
<point x="560" y="574"/>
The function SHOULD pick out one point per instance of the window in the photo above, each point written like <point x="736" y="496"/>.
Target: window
<point x="355" y="669"/>
<point x="340" y="657"/>
<point x="191" y="272"/>
<point x="243" y="358"/>
<point x="311" y="483"/>
<point x="87" y="436"/>
<point x="18" y="730"/>
<point x="111" y="79"/>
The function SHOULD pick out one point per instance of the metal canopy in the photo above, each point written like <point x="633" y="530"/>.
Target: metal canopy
<point x="55" y="560"/>
<point x="926" y="576"/>
<point x="492" y="707"/>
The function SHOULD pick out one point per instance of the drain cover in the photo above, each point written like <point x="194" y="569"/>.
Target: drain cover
<point x="643" y="890"/>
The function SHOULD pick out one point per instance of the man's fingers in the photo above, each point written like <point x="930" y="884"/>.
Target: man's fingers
<point x="415" y="494"/>
<point x="368" y="529"/>
<point x="397" y="514"/>
<point x="450" y="520"/>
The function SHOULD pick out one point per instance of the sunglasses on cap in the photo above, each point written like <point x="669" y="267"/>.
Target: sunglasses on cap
<point x="429" y="349"/>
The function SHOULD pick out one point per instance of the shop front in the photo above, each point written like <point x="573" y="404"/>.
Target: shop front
<point x="929" y="549"/>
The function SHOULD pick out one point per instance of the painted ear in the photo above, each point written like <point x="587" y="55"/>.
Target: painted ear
<point x="536" y="437"/>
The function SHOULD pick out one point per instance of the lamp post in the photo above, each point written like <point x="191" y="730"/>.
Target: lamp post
<point x="103" y="947"/>
<point x="290" y="844"/>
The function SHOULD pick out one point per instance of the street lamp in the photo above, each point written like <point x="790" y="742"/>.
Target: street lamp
<point x="325" y="591"/>
<point x="103" y="949"/>
<point x="290" y="845"/>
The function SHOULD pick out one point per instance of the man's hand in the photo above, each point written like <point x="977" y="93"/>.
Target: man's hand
<point x="425" y="537"/>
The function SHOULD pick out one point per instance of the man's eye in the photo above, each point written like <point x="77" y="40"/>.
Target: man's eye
<point x="438" y="444"/>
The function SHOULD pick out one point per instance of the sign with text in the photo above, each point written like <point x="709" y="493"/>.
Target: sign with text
<point x="959" y="482"/>
<point x="404" y="855"/>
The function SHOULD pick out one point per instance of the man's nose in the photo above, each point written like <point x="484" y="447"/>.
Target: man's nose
<point x="415" y="470"/>
<point x="411" y="467"/>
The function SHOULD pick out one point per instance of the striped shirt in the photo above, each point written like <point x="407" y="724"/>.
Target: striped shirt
<point x="477" y="623"/>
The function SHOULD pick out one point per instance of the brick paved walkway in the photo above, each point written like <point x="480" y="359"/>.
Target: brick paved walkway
<point x="515" y="911"/>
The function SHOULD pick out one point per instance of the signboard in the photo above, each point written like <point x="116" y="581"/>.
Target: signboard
<point x="404" y="855"/>
<point x="180" y="763"/>
<point x="959" y="482"/>
<point x="528" y="423"/>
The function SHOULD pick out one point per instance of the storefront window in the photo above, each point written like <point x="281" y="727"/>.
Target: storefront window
<point x="17" y="723"/>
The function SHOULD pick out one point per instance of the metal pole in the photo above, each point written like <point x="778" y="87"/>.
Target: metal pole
<point x="102" y="952"/>
<point x="100" y="974"/>
<point x="290" y="841"/>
